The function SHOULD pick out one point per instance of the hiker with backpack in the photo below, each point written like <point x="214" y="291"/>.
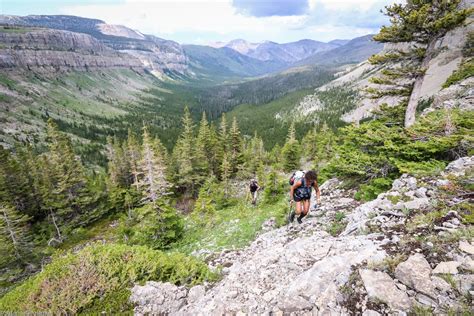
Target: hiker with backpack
<point x="254" y="187"/>
<point x="300" y="193"/>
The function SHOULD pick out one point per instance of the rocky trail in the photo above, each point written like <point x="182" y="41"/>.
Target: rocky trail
<point x="399" y="253"/>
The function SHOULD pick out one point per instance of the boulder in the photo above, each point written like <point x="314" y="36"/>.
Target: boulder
<point x="440" y="284"/>
<point x="417" y="203"/>
<point x="415" y="273"/>
<point x="425" y="300"/>
<point x="464" y="282"/>
<point x="370" y="312"/>
<point x="380" y="286"/>
<point x="460" y="166"/>
<point x="468" y="265"/>
<point x="466" y="247"/>
<point x="157" y="298"/>
<point x="421" y="192"/>
<point x="447" y="267"/>
<point x="195" y="293"/>
<point x="294" y="304"/>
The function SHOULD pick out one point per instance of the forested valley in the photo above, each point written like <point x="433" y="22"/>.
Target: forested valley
<point x="92" y="207"/>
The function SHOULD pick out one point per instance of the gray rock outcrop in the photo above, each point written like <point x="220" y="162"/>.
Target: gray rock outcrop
<point x="380" y="286"/>
<point x="43" y="49"/>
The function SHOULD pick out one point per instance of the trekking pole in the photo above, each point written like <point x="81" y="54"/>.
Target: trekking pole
<point x="290" y="211"/>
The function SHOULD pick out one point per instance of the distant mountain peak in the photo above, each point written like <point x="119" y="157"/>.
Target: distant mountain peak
<point x="242" y="46"/>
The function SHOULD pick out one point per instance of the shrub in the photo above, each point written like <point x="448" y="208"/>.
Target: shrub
<point x="380" y="150"/>
<point x="100" y="275"/>
<point x="464" y="71"/>
<point x="368" y="192"/>
<point x="154" y="225"/>
<point x="273" y="188"/>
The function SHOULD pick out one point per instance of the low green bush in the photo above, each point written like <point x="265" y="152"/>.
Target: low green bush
<point x="155" y="225"/>
<point x="98" y="277"/>
<point x="368" y="192"/>
<point x="464" y="71"/>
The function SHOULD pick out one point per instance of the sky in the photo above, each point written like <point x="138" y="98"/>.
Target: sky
<point x="207" y="21"/>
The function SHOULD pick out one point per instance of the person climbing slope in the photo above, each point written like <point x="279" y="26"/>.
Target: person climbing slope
<point x="300" y="193"/>
<point x="254" y="187"/>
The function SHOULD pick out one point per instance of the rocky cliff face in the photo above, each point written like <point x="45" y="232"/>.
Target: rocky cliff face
<point x="54" y="49"/>
<point x="391" y="259"/>
<point x="157" y="55"/>
<point x="443" y="56"/>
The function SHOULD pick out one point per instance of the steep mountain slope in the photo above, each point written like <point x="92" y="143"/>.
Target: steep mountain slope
<point x="43" y="49"/>
<point x="213" y="63"/>
<point x="157" y="55"/>
<point x="378" y="265"/>
<point x="353" y="51"/>
<point x="287" y="53"/>
<point x="375" y="83"/>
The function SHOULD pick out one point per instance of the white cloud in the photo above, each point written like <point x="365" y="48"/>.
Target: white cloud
<point x="168" y="17"/>
<point x="360" y="5"/>
<point x="198" y="20"/>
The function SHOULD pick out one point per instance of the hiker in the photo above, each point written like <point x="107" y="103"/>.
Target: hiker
<point x="300" y="193"/>
<point x="254" y="187"/>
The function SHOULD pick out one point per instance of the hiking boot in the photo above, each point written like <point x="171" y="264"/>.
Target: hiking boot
<point x="300" y="218"/>
<point x="291" y="218"/>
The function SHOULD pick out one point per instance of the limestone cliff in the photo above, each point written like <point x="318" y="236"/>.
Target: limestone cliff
<point x="159" y="56"/>
<point x="42" y="49"/>
<point x="443" y="56"/>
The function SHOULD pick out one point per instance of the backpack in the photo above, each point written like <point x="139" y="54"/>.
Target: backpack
<point x="253" y="186"/>
<point x="297" y="176"/>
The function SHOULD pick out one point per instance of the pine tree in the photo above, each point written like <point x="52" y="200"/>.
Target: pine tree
<point x="14" y="229"/>
<point x="225" y="172"/>
<point x="118" y="166"/>
<point x="291" y="151"/>
<point x="272" y="187"/>
<point x="183" y="156"/>
<point x="65" y="194"/>
<point x="133" y="157"/>
<point x="223" y="139"/>
<point x="152" y="181"/>
<point x="235" y="157"/>
<point x="213" y="150"/>
<point x="15" y="184"/>
<point x="205" y="204"/>
<point x="203" y="152"/>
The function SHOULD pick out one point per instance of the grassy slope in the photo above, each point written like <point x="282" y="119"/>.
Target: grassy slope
<point x="230" y="228"/>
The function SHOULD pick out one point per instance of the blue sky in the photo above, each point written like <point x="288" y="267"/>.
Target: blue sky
<point x="205" y="21"/>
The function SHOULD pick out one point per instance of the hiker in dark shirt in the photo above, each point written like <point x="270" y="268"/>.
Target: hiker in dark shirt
<point x="254" y="187"/>
<point x="300" y="193"/>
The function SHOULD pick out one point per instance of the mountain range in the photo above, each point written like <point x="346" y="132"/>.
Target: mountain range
<point x="237" y="58"/>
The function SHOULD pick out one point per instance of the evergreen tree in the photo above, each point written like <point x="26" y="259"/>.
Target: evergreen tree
<point x="183" y="156"/>
<point x="203" y="151"/>
<point x="272" y="187"/>
<point x="225" y="172"/>
<point x="235" y="149"/>
<point x="421" y="20"/>
<point x="213" y="150"/>
<point x="133" y="157"/>
<point x="224" y="146"/>
<point x="291" y="151"/>
<point x="152" y="181"/>
<point x="14" y="230"/>
<point x="65" y="194"/>
<point x="15" y="185"/>
<point x="205" y="204"/>
<point x="117" y="166"/>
